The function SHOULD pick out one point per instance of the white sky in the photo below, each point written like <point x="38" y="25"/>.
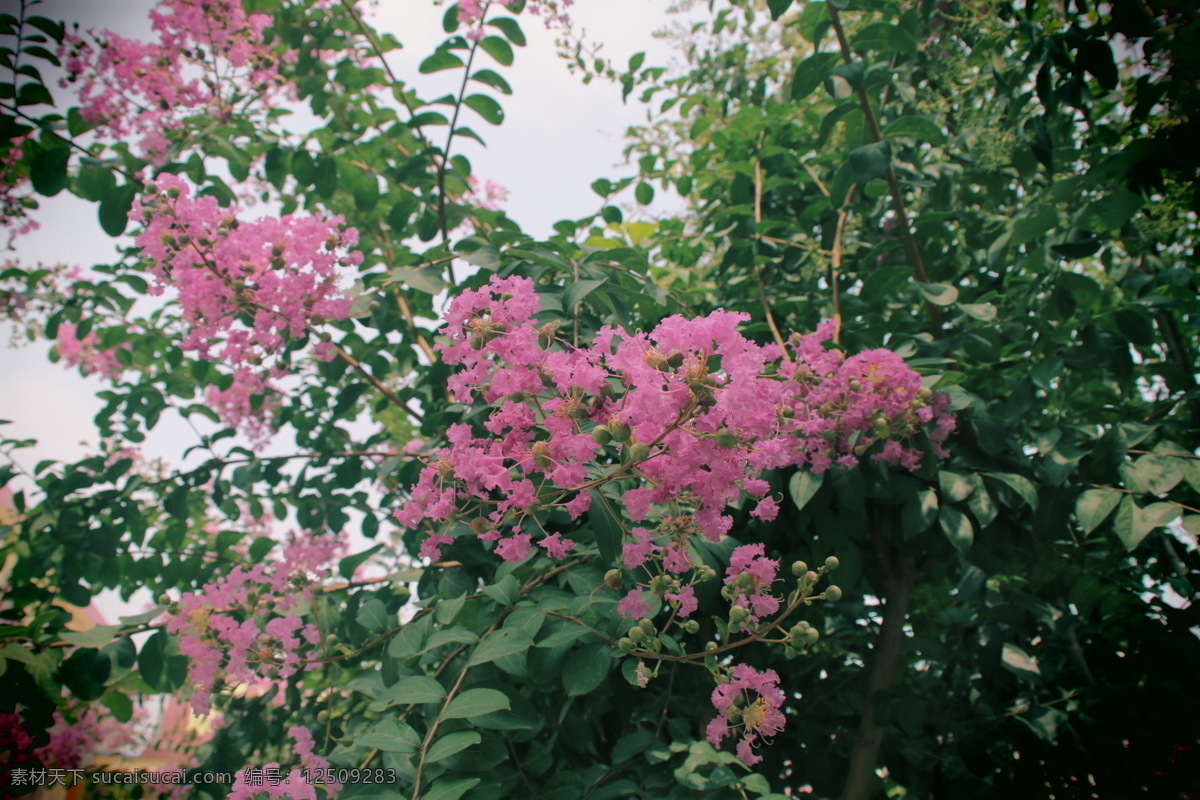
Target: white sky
<point x="559" y="135"/>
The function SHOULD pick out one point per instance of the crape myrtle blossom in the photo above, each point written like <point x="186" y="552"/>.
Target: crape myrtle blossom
<point x="693" y="411"/>
<point x="749" y="705"/>
<point x="91" y="359"/>
<point x="244" y="627"/>
<point x="210" y="57"/>
<point x="250" y="783"/>
<point x="246" y="288"/>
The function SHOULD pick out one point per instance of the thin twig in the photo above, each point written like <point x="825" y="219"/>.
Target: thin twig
<point x="910" y="243"/>
<point x="762" y="287"/>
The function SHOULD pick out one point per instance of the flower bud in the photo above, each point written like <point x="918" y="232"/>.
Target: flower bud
<point x="708" y="648"/>
<point x="833" y="594"/>
<point x="738" y="614"/>
<point x="626" y="644"/>
<point x="601" y="435"/>
<point x="612" y="579"/>
<point x="639" y="451"/>
<point x="620" y="431"/>
<point x="855" y="385"/>
<point x="675" y="360"/>
<point x="799" y="568"/>
<point x="173" y="192"/>
<point x="691" y="626"/>
<point x="831" y="563"/>
<point x="809" y="578"/>
<point x="637" y="634"/>
<point x="660" y="585"/>
<point x="726" y="438"/>
<point x="647" y="626"/>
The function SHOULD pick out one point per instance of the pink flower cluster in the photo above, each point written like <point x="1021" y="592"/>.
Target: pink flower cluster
<point x="749" y="578"/>
<point x="84" y="353"/>
<point x="471" y="12"/>
<point x="210" y="57"/>
<point x="246" y="288"/>
<point x="237" y="629"/>
<point x="692" y="413"/>
<point x="250" y="783"/>
<point x="751" y="701"/>
<point x="15" y="201"/>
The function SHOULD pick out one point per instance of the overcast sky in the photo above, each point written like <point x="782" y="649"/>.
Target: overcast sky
<point x="558" y="137"/>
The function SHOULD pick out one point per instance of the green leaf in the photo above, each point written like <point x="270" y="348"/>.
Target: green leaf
<point x="325" y="175"/>
<point x="777" y="7"/>
<point x="114" y="209"/>
<point x="610" y="534"/>
<point x="920" y="128"/>
<point x="48" y="172"/>
<point x="918" y="513"/>
<point x="373" y="615"/>
<point x="957" y="527"/>
<point x="803" y="485"/>
<point x="499" y="644"/>
<point x="425" y="279"/>
<point x="810" y="73"/>
<point x="413" y="690"/>
<point x="586" y="668"/>
<point x="498" y="49"/>
<point x="504" y="591"/>
<point x="1017" y="660"/>
<point x="494" y="79"/>
<point x="1019" y="484"/>
<point x="440" y="60"/>
<point x="955" y="486"/>
<point x="870" y="161"/>
<point x="1152" y="473"/>
<point x="449" y="788"/>
<point x="511" y="28"/>
<point x="578" y="290"/>
<point x="644" y="193"/>
<point x="96" y="636"/>
<point x="450" y="744"/>
<point x="476" y="703"/>
<point x="391" y="736"/>
<point x="1094" y="506"/>
<point x="940" y="294"/>
<point x="884" y="38"/>
<point x="486" y="107"/>
<point x="34" y="94"/>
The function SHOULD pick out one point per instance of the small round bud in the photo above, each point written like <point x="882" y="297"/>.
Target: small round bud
<point x="323" y="716"/>
<point x="809" y="578"/>
<point x="691" y="626"/>
<point x="330" y="640"/>
<point x="626" y="644"/>
<point x="164" y="599"/>
<point x="924" y="393"/>
<point x="708" y="648"/>
<point x="726" y="438"/>
<point x="833" y="594"/>
<point x="601" y="435"/>
<point x="612" y="579"/>
<point x="637" y="634"/>
<point x="832" y="563"/>
<point x="738" y="614"/>
<point x="173" y="192"/>
<point x="639" y="451"/>
<point x="855" y="385"/>
<point x="620" y="431"/>
<point x="647" y="626"/>
<point x="799" y="568"/>
<point x="660" y="585"/>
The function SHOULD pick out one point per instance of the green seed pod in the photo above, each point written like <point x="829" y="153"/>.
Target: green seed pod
<point x="831" y="563"/>
<point x="620" y="431"/>
<point x="726" y="438"/>
<point x="738" y="614"/>
<point x="810" y="637"/>
<point x="626" y="644"/>
<point x="601" y="435"/>
<point x="691" y="626"/>
<point x="639" y="451"/>
<point x="799" y="568"/>
<point x="660" y="585"/>
<point x="637" y="634"/>
<point x="833" y="594"/>
<point x="647" y="626"/>
<point x="809" y="578"/>
<point x="173" y="192"/>
<point x="612" y="579"/>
